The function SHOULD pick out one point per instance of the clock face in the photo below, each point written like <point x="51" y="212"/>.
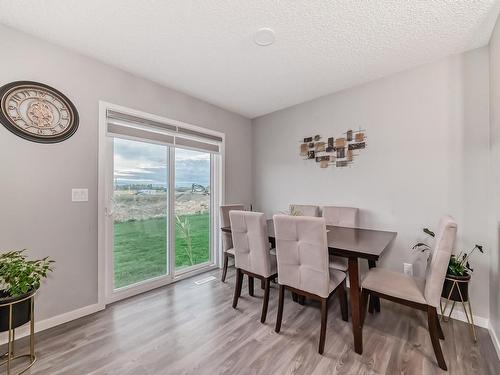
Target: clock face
<point x="37" y="112"/>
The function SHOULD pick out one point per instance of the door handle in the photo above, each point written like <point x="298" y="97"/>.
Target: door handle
<point x="110" y="209"/>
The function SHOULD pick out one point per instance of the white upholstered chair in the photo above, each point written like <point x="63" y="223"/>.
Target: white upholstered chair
<point x="340" y="217"/>
<point x="303" y="265"/>
<point x="227" y="241"/>
<point x="423" y="294"/>
<point x="251" y="254"/>
<point x="304" y="210"/>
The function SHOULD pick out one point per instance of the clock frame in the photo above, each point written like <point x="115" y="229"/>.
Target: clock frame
<point x="37" y="112"/>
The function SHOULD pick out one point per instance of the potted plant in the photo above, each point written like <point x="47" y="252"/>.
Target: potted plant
<point x="458" y="272"/>
<point x="19" y="279"/>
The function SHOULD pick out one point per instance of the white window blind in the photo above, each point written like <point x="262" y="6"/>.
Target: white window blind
<point x="125" y="125"/>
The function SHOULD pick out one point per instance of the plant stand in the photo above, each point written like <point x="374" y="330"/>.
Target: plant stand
<point x="7" y="358"/>
<point x="465" y="304"/>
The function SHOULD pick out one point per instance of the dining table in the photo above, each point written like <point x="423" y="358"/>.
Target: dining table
<point x="355" y="244"/>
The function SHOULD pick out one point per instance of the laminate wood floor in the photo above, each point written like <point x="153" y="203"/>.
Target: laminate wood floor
<point x="191" y="329"/>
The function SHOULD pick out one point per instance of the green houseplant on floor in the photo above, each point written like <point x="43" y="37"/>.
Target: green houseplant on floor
<point x="19" y="278"/>
<point x="459" y="270"/>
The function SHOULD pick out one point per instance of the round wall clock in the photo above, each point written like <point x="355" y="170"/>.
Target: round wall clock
<point x="37" y="112"/>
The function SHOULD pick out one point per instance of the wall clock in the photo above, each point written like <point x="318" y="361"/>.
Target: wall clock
<point x="37" y="112"/>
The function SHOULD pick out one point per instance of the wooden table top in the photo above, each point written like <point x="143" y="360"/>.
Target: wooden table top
<point x="349" y="242"/>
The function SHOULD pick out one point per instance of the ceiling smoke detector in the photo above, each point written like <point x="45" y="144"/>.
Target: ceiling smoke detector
<point x="264" y="37"/>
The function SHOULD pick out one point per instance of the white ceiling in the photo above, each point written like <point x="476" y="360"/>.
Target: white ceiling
<point x="205" y="48"/>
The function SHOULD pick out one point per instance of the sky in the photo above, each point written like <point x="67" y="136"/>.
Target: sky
<point x="146" y="163"/>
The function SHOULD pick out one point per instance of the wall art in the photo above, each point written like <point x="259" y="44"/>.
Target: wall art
<point x="338" y="152"/>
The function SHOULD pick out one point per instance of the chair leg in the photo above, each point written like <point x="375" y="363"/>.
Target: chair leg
<point x="440" y="330"/>
<point x="364" y="301"/>
<point x="281" y="301"/>
<point x="324" y="318"/>
<point x="250" y="286"/>
<point x="432" y="319"/>
<point x="343" y="302"/>
<point x="262" y="284"/>
<point x="376" y="304"/>
<point x="224" y="267"/>
<point x="267" y="286"/>
<point x="374" y="300"/>
<point x="370" y="305"/>
<point x="237" y="287"/>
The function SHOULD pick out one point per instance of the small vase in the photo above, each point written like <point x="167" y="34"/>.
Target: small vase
<point x="461" y="286"/>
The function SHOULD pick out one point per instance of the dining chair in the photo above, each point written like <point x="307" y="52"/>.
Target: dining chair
<point x="304" y="210"/>
<point x="227" y="241"/>
<point x="419" y="293"/>
<point x="302" y="254"/>
<point x="340" y="217"/>
<point x="251" y="254"/>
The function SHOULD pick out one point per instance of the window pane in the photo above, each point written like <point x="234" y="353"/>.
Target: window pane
<point x="140" y="211"/>
<point x="192" y="208"/>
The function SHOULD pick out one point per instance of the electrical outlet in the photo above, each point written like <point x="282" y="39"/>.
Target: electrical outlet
<point x="79" y="195"/>
<point x="408" y="269"/>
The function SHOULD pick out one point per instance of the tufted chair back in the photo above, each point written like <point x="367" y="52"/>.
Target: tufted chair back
<point x="341" y="216"/>
<point x="302" y="253"/>
<point x="251" y="242"/>
<point x="227" y="241"/>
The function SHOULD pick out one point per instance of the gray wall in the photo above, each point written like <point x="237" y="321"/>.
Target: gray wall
<point x="36" y="211"/>
<point x="427" y="155"/>
<point x="495" y="186"/>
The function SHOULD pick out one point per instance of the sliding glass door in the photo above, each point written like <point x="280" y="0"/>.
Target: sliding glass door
<point x="192" y="208"/>
<point x="141" y="211"/>
<point x="161" y="222"/>
<point x="140" y="219"/>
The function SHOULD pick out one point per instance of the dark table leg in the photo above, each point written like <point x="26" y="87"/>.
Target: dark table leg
<point x="374" y="301"/>
<point x="355" y="295"/>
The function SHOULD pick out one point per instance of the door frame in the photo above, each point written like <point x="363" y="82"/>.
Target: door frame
<point x="106" y="294"/>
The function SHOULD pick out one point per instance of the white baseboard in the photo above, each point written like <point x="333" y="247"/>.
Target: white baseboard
<point x="494" y="338"/>
<point x="42" y="325"/>
<point x="478" y="320"/>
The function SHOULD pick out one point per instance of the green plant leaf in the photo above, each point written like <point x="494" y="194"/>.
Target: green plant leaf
<point x="429" y="232"/>
<point x="18" y="275"/>
<point x="420" y="244"/>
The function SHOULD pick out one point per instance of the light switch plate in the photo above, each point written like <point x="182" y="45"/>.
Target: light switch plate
<point x="79" y="195"/>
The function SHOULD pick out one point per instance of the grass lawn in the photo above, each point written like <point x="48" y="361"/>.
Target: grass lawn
<point x="140" y="247"/>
